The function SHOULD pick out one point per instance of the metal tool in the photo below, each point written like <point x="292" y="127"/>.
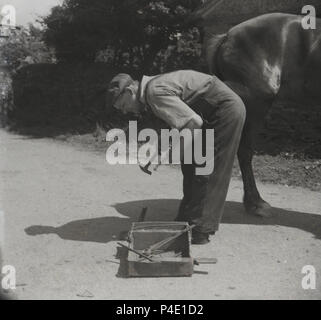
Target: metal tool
<point x="155" y="247"/>
<point x="142" y="215"/>
<point x="198" y="261"/>
<point x="146" y="168"/>
<point x="163" y="157"/>
<point x="135" y="251"/>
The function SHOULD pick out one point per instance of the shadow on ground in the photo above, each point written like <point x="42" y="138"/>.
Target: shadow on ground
<point x="106" y="229"/>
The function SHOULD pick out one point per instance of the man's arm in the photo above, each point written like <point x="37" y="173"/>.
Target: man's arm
<point x="177" y="114"/>
<point x="194" y="123"/>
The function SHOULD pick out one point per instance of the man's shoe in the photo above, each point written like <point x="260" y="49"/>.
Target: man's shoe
<point x="200" y="237"/>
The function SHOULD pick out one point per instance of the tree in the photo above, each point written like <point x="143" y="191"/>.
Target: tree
<point x="136" y="30"/>
<point x="24" y="46"/>
<point x="184" y="53"/>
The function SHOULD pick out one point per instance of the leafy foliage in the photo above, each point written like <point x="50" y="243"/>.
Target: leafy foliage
<point x="183" y="53"/>
<point x="136" y="30"/>
<point x="22" y="47"/>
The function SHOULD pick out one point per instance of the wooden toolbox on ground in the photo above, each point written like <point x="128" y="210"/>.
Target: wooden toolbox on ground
<point x="159" y="249"/>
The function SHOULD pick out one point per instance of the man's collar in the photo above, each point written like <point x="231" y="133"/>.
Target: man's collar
<point x="142" y="88"/>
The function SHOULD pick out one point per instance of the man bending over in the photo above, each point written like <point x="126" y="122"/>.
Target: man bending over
<point x="191" y="100"/>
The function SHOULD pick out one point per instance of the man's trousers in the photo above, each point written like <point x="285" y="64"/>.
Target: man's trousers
<point x="205" y="195"/>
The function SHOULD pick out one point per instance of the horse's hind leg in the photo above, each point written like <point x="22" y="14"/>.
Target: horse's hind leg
<point x="256" y="110"/>
<point x="253" y="202"/>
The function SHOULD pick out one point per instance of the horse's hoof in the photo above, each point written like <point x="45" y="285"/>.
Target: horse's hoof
<point x="261" y="209"/>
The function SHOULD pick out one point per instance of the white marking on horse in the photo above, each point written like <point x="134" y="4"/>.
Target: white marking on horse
<point x="273" y="75"/>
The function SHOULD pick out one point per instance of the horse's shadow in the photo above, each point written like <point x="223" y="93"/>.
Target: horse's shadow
<point x="106" y="229"/>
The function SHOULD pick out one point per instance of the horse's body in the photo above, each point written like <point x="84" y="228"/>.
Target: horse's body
<point x="261" y="59"/>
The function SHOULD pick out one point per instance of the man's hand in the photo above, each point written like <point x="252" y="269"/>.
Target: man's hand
<point x="195" y="123"/>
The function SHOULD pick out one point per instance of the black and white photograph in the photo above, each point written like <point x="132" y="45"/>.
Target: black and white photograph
<point x="161" y="150"/>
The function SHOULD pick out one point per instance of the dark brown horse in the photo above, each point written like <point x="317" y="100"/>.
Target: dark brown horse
<point x="261" y="59"/>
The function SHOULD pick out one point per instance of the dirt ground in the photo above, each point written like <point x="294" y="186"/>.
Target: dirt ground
<point x="64" y="208"/>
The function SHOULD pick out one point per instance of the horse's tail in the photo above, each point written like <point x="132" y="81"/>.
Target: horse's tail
<point x="212" y="46"/>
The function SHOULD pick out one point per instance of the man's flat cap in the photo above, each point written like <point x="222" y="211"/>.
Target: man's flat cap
<point x="118" y="84"/>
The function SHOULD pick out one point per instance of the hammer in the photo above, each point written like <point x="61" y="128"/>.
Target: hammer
<point x="146" y="169"/>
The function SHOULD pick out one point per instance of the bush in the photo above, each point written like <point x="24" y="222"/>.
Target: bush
<point x="61" y="95"/>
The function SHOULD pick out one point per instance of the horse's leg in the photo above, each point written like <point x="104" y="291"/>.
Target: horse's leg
<point x="253" y="202"/>
<point x="256" y="110"/>
<point x="256" y="113"/>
